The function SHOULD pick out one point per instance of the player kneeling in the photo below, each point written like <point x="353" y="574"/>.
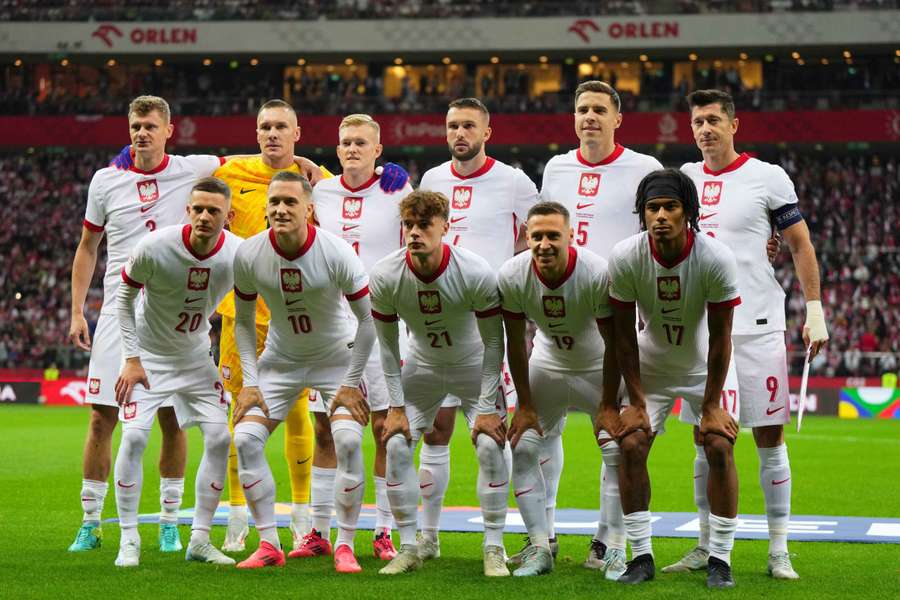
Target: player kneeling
<point x="685" y="287"/>
<point x="448" y="298"/>
<point x="565" y="290"/>
<point x="300" y="272"/>
<point x="184" y="271"/>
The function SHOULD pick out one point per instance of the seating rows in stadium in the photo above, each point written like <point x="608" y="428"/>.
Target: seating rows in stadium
<point x="850" y="204"/>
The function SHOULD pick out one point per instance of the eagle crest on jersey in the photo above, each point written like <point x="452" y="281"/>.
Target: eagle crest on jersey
<point x="291" y="280"/>
<point x="352" y="207"/>
<point x="554" y="306"/>
<point x="462" y="196"/>
<point x="148" y="191"/>
<point x="712" y="192"/>
<point x="430" y="302"/>
<point x="668" y="288"/>
<point x="129" y="410"/>
<point x="198" y="278"/>
<point x="589" y="184"/>
<point x="94" y="385"/>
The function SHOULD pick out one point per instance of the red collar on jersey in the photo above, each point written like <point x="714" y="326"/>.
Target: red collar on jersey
<point x="684" y="253"/>
<point x="616" y="153"/>
<point x="186" y="238"/>
<point x="734" y="166"/>
<point x="481" y="171"/>
<point x="445" y="260"/>
<point x="161" y="166"/>
<point x="346" y="185"/>
<point x="310" y="238"/>
<point x="570" y="267"/>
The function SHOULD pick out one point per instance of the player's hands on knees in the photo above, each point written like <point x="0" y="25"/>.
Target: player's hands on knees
<point x="132" y="374"/>
<point x="633" y="419"/>
<point x="607" y="420"/>
<point x="523" y="420"/>
<point x="395" y="422"/>
<point x="491" y="425"/>
<point x="79" y="333"/>
<point x="717" y="420"/>
<point x="309" y="169"/>
<point x="353" y="400"/>
<point x="247" y="399"/>
<point x="773" y="247"/>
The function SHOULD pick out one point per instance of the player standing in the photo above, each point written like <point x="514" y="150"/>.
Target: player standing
<point x="596" y="183"/>
<point x="355" y="208"/>
<point x="184" y="272"/>
<point x="448" y="298"/>
<point x="741" y="198"/>
<point x="564" y="290"/>
<point x="682" y="285"/>
<point x="302" y="273"/>
<point x="125" y="205"/>
<point x="489" y="201"/>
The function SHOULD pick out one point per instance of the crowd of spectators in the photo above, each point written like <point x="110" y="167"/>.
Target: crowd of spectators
<point x="183" y="10"/>
<point x="850" y="205"/>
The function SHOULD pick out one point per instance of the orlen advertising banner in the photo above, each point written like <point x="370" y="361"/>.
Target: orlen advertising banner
<point x="428" y="130"/>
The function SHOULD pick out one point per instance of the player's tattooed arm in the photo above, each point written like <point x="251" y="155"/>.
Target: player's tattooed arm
<point x="82" y="272"/>
<point x="525" y="417"/>
<point x="714" y="418"/>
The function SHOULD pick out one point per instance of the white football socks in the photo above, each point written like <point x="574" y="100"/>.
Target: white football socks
<point x="721" y="537"/>
<point x="775" y="479"/>
<point x="250" y="440"/>
<point x="701" y="481"/>
<point x="402" y="487"/>
<point x="528" y="487"/>
<point x="321" y="499"/>
<point x="551" y="465"/>
<point x="383" y="515"/>
<point x="210" y="479"/>
<point x="434" y="477"/>
<point x="171" y="491"/>
<point x="350" y="478"/>
<point x="129" y="474"/>
<point x="93" y="494"/>
<point x="639" y="532"/>
<point x="493" y="489"/>
<point x="611" y="501"/>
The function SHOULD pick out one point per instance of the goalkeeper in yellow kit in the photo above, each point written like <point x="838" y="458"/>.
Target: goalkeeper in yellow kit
<point x="277" y="131"/>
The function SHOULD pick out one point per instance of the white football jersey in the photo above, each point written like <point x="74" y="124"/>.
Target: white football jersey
<point x="599" y="196"/>
<point x="486" y="208"/>
<point x="739" y="206"/>
<point x="181" y="290"/>
<point x="303" y="292"/>
<point x="366" y="217"/>
<point x="566" y="312"/>
<point x="129" y="204"/>
<point x="439" y="310"/>
<point x="672" y="299"/>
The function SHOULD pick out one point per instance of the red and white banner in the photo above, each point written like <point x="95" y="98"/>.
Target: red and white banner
<point x="428" y="130"/>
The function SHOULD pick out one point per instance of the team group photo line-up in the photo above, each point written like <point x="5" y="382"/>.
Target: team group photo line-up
<point x="618" y="288"/>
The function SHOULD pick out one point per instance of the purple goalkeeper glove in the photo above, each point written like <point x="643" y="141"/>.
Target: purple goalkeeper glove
<point x="123" y="160"/>
<point x="393" y="178"/>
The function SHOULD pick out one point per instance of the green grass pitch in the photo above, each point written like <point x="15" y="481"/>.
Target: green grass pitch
<point x="840" y="468"/>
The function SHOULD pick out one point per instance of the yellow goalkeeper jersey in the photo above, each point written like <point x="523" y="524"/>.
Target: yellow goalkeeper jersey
<point x="248" y="179"/>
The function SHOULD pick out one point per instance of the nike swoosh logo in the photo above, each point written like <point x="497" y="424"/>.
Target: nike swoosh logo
<point x="697" y="476"/>
<point x="544" y="462"/>
<point x="148" y="207"/>
<point x="456" y="219"/>
<point x="580" y="206"/>
<point x="771" y="412"/>
<point x="213" y="486"/>
<point x="243" y="191"/>
<point x="666" y="311"/>
<point x="192" y="300"/>
<point x="517" y="494"/>
<point x="497" y="485"/>
<point x="349" y="227"/>
<point x="552" y="325"/>
<point x="122" y="485"/>
<point x="247" y="487"/>
<point x="354" y="487"/>
<point x="707" y="216"/>
<point x="304" y="461"/>
<point x="779" y="482"/>
<point x="427" y="322"/>
<point x="171" y="501"/>
<point x="290" y="302"/>
<point x="422" y="486"/>
<point x="389" y="484"/>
